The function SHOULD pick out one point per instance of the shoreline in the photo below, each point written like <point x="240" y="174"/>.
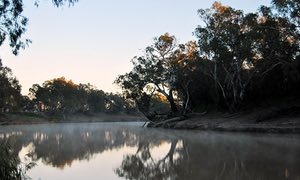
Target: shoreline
<point x="252" y="121"/>
<point x="17" y="119"/>
<point x="241" y="122"/>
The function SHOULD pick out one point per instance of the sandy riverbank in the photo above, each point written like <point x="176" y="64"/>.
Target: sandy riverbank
<point x="267" y="120"/>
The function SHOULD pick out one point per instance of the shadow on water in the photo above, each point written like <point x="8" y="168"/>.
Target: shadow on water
<point x="161" y="154"/>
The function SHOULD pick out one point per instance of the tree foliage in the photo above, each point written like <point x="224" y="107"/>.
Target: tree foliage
<point x="152" y="71"/>
<point x="11" y="166"/>
<point x="160" y="72"/>
<point x="238" y="58"/>
<point x="13" y="24"/>
<point x="60" y="96"/>
<point x="10" y="96"/>
<point x="289" y="9"/>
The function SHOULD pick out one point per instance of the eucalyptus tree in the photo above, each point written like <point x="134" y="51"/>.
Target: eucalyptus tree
<point x="244" y="48"/>
<point x="184" y="66"/>
<point x="226" y="42"/>
<point x="93" y="99"/>
<point x="276" y="53"/>
<point x="167" y="69"/>
<point x="152" y="73"/>
<point x="290" y="9"/>
<point x="10" y="90"/>
<point x="59" y="96"/>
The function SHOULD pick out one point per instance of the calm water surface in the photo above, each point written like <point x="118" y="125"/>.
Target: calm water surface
<point x="128" y="151"/>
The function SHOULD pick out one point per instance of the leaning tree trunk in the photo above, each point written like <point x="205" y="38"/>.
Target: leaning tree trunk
<point x="187" y="97"/>
<point x="169" y="97"/>
<point x="171" y="101"/>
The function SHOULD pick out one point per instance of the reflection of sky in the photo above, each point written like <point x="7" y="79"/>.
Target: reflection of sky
<point x="7" y="135"/>
<point x="98" y="150"/>
<point x="95" y="40"/>
<point x="160" y="151"/>
<point x="101" y="166"/>
<point x="93" y="165"/>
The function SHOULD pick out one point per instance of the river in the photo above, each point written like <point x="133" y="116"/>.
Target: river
<point x="128" y="151"/>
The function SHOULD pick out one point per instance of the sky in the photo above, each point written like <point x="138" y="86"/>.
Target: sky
<point x="94" y="41"/>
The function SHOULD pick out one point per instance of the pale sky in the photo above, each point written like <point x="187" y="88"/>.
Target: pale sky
<point x="95" y="40"/>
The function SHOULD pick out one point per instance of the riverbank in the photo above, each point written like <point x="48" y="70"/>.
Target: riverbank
<point x="271" y="120"/>
<point x="266" y="120"/>
<point x="35" y="118"/>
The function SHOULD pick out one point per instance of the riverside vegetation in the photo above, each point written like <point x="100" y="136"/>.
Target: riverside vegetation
<point x="240" y="64"/>
<point x="242" y="74"/>
<point x="244" y="69"/>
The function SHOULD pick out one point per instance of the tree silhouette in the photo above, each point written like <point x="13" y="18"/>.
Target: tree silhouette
<point x="10" y="96"/>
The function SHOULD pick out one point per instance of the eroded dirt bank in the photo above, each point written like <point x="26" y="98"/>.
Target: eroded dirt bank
<point x="271" y="120"/>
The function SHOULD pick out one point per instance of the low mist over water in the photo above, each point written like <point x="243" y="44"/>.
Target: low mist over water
<point x="126" y="150"/>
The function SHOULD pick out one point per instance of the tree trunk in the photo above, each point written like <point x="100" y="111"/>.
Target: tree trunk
<point x="171" y="101"/>
<point x="169" y="98"/>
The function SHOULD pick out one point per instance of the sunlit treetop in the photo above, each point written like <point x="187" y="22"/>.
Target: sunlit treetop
<point x="164" y="44"/>
<point x="220" y="8"/>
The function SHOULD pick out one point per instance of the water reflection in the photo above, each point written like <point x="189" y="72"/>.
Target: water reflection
<point x="155" y="153"/>
<point x="142" y="165"/>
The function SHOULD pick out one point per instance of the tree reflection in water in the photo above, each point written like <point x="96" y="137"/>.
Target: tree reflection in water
<point x="218" y="157"/>
<point x="189" y="154"/>
<point x="60" y="145"/>
<point x="142" y="165"/>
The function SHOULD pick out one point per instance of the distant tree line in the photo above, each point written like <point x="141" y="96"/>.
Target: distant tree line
<point x="238" y="60"/>
<point x="58" y="97"/>
<point x="61" y="96"/>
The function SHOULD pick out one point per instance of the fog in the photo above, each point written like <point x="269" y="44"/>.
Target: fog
<point x="126" y="150"/>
